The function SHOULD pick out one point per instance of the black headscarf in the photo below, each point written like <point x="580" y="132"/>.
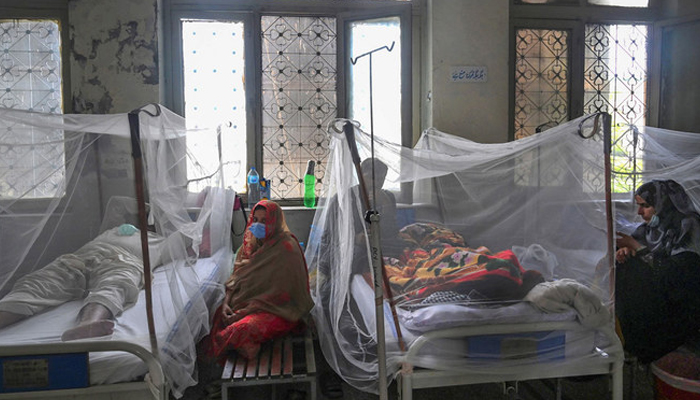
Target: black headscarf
<point x="678" y="226"/>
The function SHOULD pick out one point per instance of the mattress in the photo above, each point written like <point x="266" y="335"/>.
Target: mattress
<point x="418" y="321"/>
<point x="132" y="325"/>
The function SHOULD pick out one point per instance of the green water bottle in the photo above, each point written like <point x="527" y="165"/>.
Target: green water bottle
<point x="310" y="185"/>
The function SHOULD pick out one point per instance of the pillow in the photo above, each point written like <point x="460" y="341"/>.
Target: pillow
<point x="428" y="235"/>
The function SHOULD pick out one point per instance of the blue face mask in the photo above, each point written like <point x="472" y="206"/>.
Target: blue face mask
<point x="654" y="221"/>
<point x="126" y="230"/>
<point x="257" y="229"/>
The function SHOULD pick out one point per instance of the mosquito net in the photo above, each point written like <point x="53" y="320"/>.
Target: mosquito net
<point x="645" y="154"/>
<point x="501" y="238"/>
<point x="60" y="231"/>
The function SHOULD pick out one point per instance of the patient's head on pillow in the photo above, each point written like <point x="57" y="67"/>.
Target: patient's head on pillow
<point x="428" y="235"/>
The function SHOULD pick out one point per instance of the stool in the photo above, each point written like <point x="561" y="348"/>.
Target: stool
<point x="288" y="359"/>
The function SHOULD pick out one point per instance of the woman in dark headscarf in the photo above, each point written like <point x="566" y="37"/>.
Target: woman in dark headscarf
<point x="657" y="285"/>
<point x="267" y="295"/>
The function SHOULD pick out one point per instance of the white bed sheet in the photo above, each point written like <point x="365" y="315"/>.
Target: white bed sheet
<point x="443" y="316"/>
<point x="113" y="367"/>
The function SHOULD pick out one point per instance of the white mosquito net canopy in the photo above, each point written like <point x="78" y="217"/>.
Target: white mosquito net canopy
<point x="644" y="154"/>
<point x="51" y="204"/>
<point x="482" y="234"/>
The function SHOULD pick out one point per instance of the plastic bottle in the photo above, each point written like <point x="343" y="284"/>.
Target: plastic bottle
<point x="310" y="185"/>
<point x="253" y="188"/>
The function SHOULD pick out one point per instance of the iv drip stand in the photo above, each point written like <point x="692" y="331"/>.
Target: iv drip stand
<point x="373" y="218"/>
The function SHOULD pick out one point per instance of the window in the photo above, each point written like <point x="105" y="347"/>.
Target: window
<point x="615" y="3"/>
<point x="214" y="84"/>
<point x="275" y="75"/>
<point x="620" y="3"/>
<point x="541" y="79"/>
<point x="31" y="74"/>
<point x="299" y="80"/>
<point x="564" y="69"/>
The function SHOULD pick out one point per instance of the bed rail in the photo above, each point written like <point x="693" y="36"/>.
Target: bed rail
<point x="155" y="379"/>
<point x="410" y="378"/>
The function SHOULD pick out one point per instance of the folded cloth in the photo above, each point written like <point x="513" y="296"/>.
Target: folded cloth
<point x="565" y="294"/>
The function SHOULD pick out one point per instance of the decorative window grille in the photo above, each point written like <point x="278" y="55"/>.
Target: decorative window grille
<point x="541" y="79"/>
<point x="279" y="120"/>
<point x="298" y="98"/>
<point x="615" y="80"/>
<point x="30" y="79"/>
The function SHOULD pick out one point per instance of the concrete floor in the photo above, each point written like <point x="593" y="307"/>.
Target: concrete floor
<point x="591" y="388"/>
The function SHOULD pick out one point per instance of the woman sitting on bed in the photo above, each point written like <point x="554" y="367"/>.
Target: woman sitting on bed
<point x="267" y="295"/>
<point x="658" y="273"/>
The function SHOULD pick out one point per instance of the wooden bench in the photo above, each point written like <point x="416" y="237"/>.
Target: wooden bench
<point x="289" y="359"/>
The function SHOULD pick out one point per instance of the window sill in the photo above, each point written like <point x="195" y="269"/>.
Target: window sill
<point x="298" y="208"/>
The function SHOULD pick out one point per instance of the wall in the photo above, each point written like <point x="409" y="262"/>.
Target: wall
<point x="468" y="33"/>
<point x="680" y="88"/>
<point x="681" y="8"/>
<point x="114" y="69"/>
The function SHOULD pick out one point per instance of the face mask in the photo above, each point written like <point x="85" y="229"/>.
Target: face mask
<point x="257" y="229"/>
<point x="126" y="230"/>
<point x="654" y="221"/>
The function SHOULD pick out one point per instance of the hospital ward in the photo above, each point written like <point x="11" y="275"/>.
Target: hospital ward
<point x="349" y="199"/>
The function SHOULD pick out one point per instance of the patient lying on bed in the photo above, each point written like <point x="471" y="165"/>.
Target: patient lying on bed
<point x="106" y="272"/>
<point x="437" y="263"/>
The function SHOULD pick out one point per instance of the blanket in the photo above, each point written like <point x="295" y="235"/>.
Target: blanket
<point x="438" y="260"/>
<point x="566" y="294"/>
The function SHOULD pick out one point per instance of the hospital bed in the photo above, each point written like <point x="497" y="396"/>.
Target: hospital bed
<point x="52" y="204"/>
<point x="118" y="362"/>
<point x="548" y="191"/>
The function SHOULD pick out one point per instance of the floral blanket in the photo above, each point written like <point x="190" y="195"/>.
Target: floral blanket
<point x="437" y="259"/>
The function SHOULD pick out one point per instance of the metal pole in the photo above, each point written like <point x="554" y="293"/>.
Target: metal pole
<point x="143" y="223"/>
<point x="373" y="218"/>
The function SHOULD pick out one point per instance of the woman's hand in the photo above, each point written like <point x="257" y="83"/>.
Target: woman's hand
<point x="626" y="247"/>
<point x="236" y="315"/>
<point x="624" y="254"/>
<point x="232" y="316"/>
<point x="227" y="314"/>
<point x="628" y="241"/>
<point x="242" y="263"/>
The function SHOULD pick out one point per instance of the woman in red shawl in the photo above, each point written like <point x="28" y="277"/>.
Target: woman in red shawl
<point x="267" y="294"/>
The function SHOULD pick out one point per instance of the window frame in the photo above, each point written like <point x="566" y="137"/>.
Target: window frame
<point x="46" y="9"/>
<point x="655" y="89"/>
<point x="252" y="11"/>
<point x="575" y="17"/>
<point x="575" y="95"/>
<point x="36" y="10"/>
<point x="404" y="15"/>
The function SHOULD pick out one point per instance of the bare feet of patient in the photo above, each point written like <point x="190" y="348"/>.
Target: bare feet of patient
<point x="94" y="320"/>
<point x="89" y="329"/>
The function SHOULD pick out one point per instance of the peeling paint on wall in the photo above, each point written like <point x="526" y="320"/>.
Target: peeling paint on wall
<point x="114" y="48"/>
<point x="114" y="69"/>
